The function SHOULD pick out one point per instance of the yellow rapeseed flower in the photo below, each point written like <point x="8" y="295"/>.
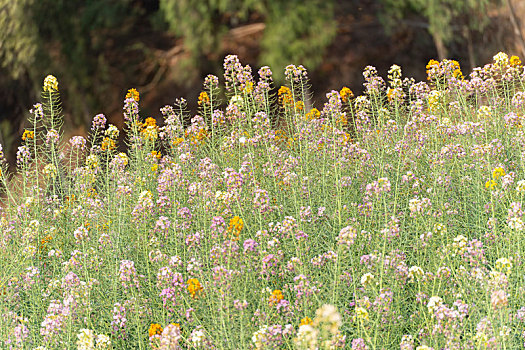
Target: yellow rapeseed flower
<point x="515" y="61"/>
<point x="489" y="185"/>
<point x="432" y="66"/>
<point x="149" y="122"/>
<point x="299" y="106"/>
<point x="457" y="74"/>
<point x="248" y="88"/>
<point x="497" y="173"/>
<point x="177" y="141"/>
<point x="50" y="84"/>
<point x="134" y="94"/>
<point x="361" y="314"/>
<point x="107" y="144"/>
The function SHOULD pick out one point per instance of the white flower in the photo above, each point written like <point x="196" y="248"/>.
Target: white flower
<point x="424" y="347"/>
<point x="307" y="337"/>
<point x="501" y="58"/>
<point x="328" y="317"/>
<point x="103" y="341"/>
<point x="415" y="272"/>
<point x="197" y="336"/>
<point x="516" y="223"/>
<point x="259" y="337"/>
<point x="236" y="100"/>
<point x="433" y="303"/>
<point x="86" y="339"/>
<point x="520" y="187"/>
<point x="366" y="278"/>
<point x="112" y="131"/>
<point x="504" y="265"/>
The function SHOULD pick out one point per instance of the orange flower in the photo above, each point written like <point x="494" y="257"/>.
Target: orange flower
<point x="28" y="135"/>
<point x="313" y="114"/>
<point x="203" y="98"/>
<point x="285" y="96"/>
<point x="155" y="329"/>
<point x="305" y="321"/>
<point x="236" y="225"/>
<point x="346" y="94"/>
<point x="194" y="287"/>
<point x="150" y="122"/>
<point x="432" y="68"/>
<point x="107" y="144"/>
<point x="276" y="296"/>
<point x="134" y="94"/>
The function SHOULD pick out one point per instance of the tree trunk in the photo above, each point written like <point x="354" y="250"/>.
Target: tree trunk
<point x="440" y="46"/>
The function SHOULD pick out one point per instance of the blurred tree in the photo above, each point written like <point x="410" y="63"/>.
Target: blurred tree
<point x="67" y="38"/>
<point x="446" y="18"/>
<point x="18" y="37"/>
<point x="296" y="31"/>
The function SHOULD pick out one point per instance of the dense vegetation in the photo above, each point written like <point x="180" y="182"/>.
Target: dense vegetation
<point x="383" y="221"/>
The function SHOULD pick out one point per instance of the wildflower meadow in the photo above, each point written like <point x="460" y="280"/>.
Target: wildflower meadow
<point x="389" y="220"/>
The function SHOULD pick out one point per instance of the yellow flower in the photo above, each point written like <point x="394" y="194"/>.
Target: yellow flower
<point x="177" y="140"/>
<point x="107" y="144"/>
<point x="236" y="225"/>
<point x="306" y="320"/>
<point x="155" y="329"/>
<point x="194" y="287"/>
<point x="504" y="265"/>
<point x="150" y="132"/>
<point x="248" y="88"/>
<point x="134" y="94"/>
<point x="149" y="122"/>
<point x="28" y="135"/>
<point x="156" y="154"/>
<point x="203" y="98"/>
<point x="346" y="94"/>
<point x="457" y="74"/>
<point x="299" y="106"/>
<point x="432" y="66"/>
<point x="50" y="84"/>
<point x="515" y="61"/>
<point x="313" y="114"/>
<point x="50" y="171"/>
<point x="490" y="184"/>
<point x="124" y="158"/>
<point x="276" y="296"/>
<point x="361" y="314"/>
<point x="497" y="173"/>
<point x="285" y="96"/>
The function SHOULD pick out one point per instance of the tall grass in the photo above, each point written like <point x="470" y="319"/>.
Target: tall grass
<point x="383" y="221"/>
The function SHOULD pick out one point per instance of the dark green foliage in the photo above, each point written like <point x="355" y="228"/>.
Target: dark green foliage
<point x="295" y="31"/>
<point x="446" y="18"/>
